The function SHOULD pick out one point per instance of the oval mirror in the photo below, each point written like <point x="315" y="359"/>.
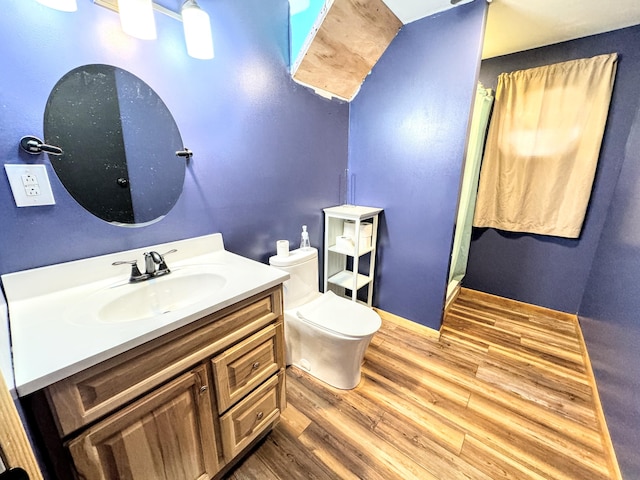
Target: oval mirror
<point x="119" y="144"/>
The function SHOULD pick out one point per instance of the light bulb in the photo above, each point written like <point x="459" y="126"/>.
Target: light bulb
<point x="136" y="18"/>
<point x="197" y="31"/>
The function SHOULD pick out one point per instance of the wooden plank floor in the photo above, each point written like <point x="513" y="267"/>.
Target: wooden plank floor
<point x="504" y="392"/>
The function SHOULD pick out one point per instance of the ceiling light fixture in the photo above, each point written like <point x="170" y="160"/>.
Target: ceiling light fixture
<point x="197" y="30"/>
<point x="136" y="18"/>
<point x="196" y="23"/>
<point x="62" y="5"/>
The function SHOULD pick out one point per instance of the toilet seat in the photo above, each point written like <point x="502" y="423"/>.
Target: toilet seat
<point x="339" y="315"/>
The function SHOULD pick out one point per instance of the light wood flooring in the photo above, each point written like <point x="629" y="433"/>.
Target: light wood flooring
<point x="506" y="391"/>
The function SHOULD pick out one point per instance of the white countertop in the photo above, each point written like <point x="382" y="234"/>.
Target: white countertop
<point x="54" y="334"/>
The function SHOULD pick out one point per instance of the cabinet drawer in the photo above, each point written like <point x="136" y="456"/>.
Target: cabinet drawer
<point x="92" y="393"/>
<point x="252" y="416"/>
<point x="246" y="365"/>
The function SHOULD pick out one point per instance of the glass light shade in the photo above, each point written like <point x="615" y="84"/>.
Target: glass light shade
<point x="197" y="31"/>
<point x="136" y="18"/>
<point x="62" y="5"/>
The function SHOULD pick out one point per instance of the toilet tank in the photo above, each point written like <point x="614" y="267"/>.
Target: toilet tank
<point x="302" y="266"/>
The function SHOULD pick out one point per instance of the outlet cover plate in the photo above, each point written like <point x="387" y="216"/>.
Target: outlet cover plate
<point x="23" y="193"/>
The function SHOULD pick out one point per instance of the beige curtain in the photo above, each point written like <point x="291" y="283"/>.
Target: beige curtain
<point x="543" y="145"/>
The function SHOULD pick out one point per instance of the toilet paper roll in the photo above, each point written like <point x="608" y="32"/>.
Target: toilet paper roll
<point x="345" y="242"/>
<point x="282" y="248"/>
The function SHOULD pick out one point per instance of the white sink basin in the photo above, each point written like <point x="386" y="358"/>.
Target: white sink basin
<point x="158" y="296"/>
<point x="131" y="302"/>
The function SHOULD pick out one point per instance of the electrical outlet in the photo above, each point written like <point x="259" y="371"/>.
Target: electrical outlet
<point x="29" y="179"/>
<point x="29" y="184"/>
<point x="32" y="190"/>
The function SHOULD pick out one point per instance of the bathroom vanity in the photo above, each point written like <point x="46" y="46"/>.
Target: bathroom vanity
<point x="178" y="390"/>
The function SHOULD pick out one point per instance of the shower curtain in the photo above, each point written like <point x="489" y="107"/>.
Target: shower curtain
<point x="477" y="134"/>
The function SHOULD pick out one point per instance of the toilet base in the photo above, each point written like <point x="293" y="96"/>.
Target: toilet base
<point x="333" y="359"/>
<point x="340" y="386"/>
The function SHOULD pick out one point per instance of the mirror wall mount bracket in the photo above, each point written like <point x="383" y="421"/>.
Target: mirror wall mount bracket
<point x="186" y="153"/>
<point x="35" y="146"/>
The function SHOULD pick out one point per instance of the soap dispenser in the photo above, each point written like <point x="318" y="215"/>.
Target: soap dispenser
<point x="304" y="238"/>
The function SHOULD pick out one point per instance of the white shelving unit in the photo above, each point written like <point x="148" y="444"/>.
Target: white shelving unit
<point x="341" y="261"/>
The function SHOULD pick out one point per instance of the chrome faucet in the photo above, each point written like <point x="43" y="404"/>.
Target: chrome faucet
<point x="151" y="260"/>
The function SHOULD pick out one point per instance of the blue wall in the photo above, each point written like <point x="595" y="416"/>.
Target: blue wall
<point x="268" y="153"/>
<point x="595" y="276"/>
<point x="551" y="271"/>
<point x="407" y="139"/>
<point x="609" y="313"/>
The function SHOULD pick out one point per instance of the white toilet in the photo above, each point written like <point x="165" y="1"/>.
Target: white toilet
<point x="326" y="335"/>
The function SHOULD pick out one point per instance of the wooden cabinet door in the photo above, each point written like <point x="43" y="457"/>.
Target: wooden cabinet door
<point x="166" y="435"/>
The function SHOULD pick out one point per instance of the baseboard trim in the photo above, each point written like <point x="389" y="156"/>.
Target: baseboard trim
<point x="507" y="302"/>
<point x="451" y="298"/>
<point x="610" y="452"/>
<point x="408" y="324"/>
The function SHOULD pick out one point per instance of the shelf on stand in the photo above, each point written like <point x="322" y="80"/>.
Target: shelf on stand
<point x="342" y="263"/>
<point x="350" y="252"/>
<point x="344" y="279"/>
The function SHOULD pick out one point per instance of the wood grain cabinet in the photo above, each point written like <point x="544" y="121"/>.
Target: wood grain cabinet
<point x="185" y="406"/>
<point x="168" y="434"/>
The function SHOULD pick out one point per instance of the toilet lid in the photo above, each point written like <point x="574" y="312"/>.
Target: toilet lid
<point x="340" y="315"/>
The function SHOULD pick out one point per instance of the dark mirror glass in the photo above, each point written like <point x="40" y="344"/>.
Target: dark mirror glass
<point x="119" y="144"/>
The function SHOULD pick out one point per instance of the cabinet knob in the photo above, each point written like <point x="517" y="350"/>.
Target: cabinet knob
<point x="259" y="415"/>
<point x="203" y="389"/>
<point x="256" y="365"/>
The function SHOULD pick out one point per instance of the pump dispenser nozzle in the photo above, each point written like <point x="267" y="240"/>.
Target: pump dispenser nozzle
<point x="304" y="238"/>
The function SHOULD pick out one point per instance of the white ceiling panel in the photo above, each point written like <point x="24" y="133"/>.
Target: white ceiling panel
<point x="517" y="25"/>
<point x="409" y="11"/>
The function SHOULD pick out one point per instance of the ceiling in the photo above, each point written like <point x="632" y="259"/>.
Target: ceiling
<point x="517" y="25"/>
